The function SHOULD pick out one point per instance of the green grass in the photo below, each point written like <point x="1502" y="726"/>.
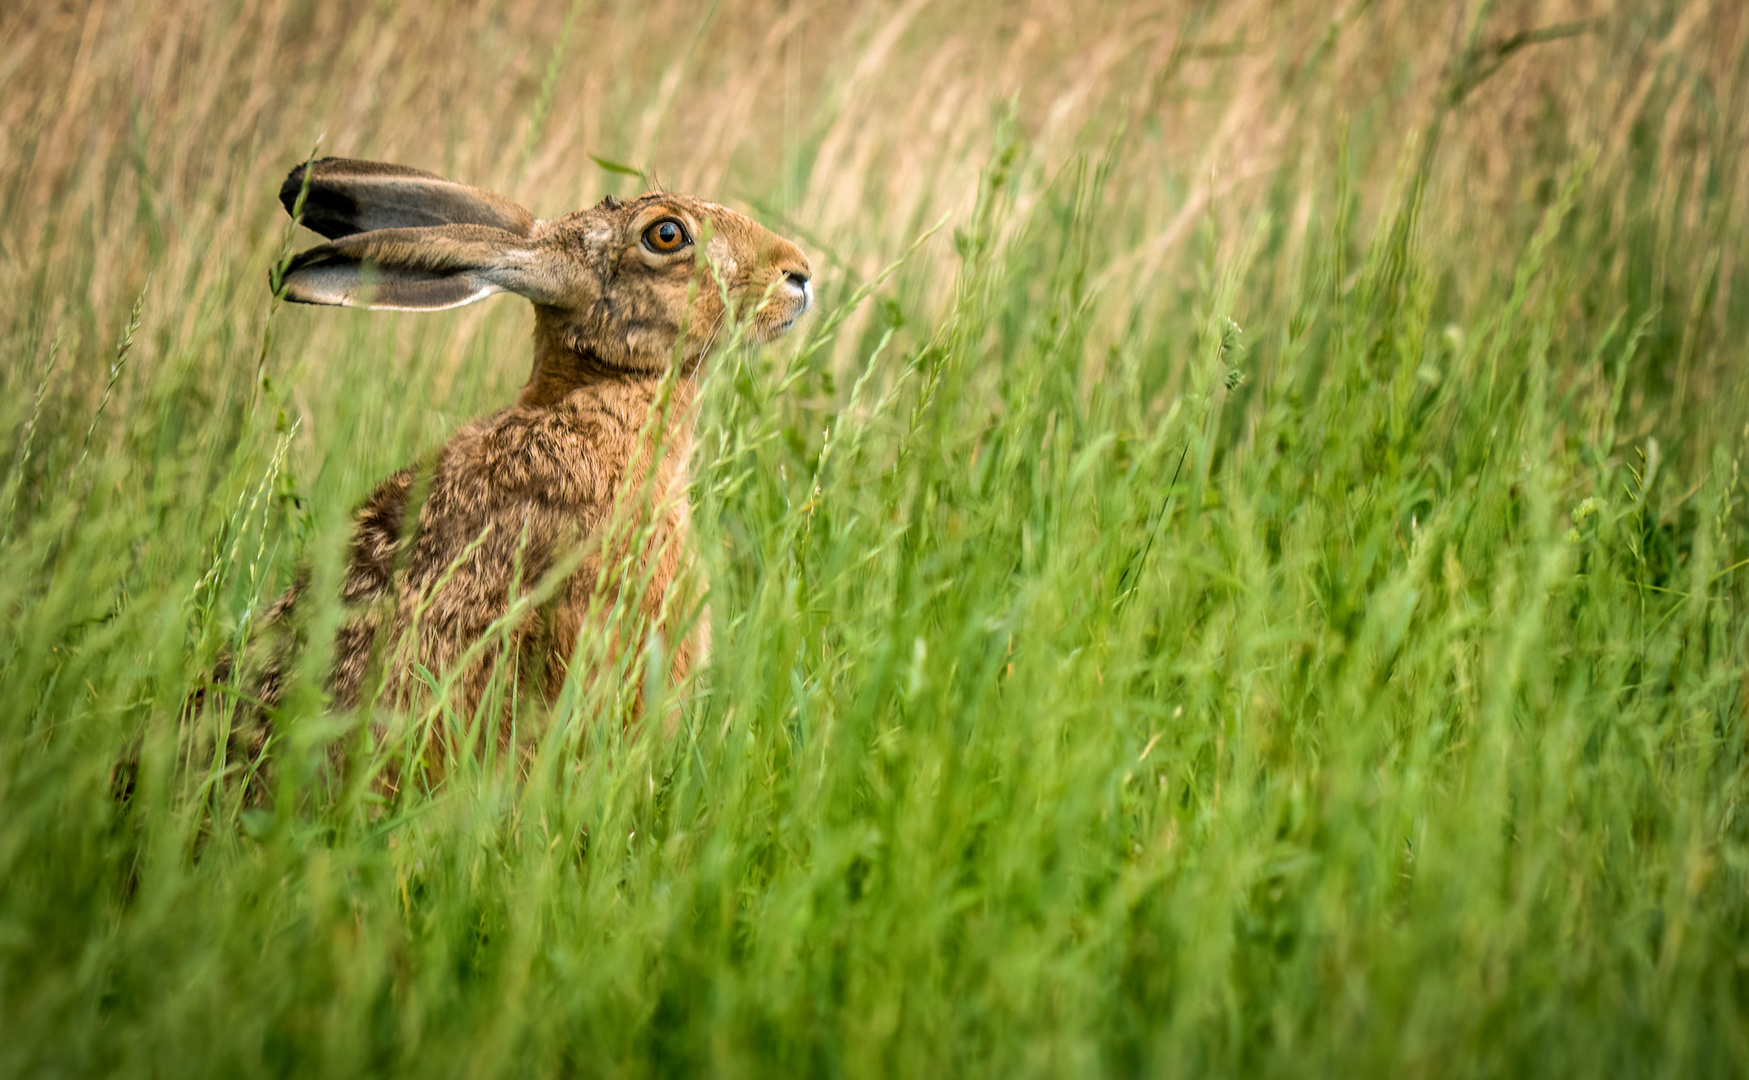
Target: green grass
<point x="1328" y="657"/>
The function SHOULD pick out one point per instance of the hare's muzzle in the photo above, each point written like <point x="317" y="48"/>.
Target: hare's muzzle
<point x="780" y="288"/>
<point x="794" y="273"/>
<point x="795" y="284"/>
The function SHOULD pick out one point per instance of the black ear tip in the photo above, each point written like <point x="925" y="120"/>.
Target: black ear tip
<point x="292" y="188"/>
<point x="294" y="181"/>
<point x="320" y="255"/>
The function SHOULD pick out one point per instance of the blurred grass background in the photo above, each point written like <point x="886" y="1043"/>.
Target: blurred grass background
<point x="1258" y="591"/>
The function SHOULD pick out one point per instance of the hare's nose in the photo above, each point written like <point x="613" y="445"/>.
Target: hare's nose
<point x="793" y="265"/>
<point x="798" y="280"/>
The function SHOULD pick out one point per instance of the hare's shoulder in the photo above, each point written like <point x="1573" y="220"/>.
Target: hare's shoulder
<point x="569" y="455"/>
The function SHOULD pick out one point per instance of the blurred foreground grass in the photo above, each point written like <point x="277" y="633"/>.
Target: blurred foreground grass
<point x="1259" y="592"/>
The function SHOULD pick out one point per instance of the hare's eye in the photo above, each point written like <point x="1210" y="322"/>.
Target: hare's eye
<point x="666" y="237"/>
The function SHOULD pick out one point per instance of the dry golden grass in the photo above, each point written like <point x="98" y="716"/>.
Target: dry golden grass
<point x="136" y="140"/>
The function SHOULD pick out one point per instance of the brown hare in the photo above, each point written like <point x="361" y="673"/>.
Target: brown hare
<point x="591" y="451"/>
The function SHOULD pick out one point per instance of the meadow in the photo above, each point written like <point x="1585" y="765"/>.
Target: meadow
<point x="1242" y="573"/>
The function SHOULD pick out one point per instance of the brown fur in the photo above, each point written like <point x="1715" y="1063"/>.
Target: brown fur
<point x="574" y="470"/>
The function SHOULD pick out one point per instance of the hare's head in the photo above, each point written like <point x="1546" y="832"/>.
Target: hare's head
<point x="636" y="285"/>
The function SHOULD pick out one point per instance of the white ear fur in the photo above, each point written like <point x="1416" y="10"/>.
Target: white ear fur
<point x="421" y="269"/>
<point x="342" y="197"/>
<point x="368" y="286"/>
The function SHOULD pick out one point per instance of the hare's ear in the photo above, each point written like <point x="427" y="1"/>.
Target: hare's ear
<point x="423" y="269"/>
<point x="346" y="197"/>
